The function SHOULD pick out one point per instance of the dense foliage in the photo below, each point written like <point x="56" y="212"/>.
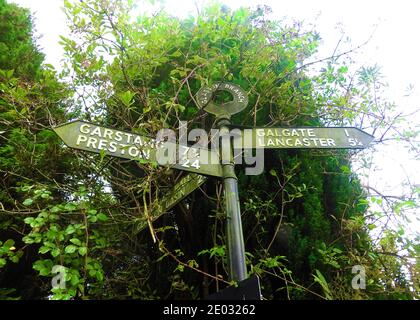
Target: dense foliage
<point x="305" y="219"/>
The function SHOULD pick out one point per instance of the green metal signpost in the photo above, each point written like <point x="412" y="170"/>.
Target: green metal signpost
<point x="199" y="161"/>
<point x="235" y="239"/>
<point x="182" y="188"/>
<point x="260" y="138"/>
<point x="305" y="138"/>
<point x="90" y="137"/>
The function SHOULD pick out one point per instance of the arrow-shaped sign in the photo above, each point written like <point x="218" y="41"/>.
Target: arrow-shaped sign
<point x="182" y="188"/>
<point x="90" y="137"/>
<point x="303" y="138"/>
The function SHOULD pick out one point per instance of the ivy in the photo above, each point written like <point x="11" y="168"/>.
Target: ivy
<point x="75" y="215"/>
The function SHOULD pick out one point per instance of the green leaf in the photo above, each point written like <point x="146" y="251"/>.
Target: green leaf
<point x="217" y="251"/>
<point x="70" y="206"/>
<point x="55" y="252"/>
<point x="272" y="262"/>
<point x="99" y="276"/>
<point x="345" y="169"/>
<point x="74" y="279"/>
<point x="9" y="73"/>
<point x="43" y="266"/>
<point x="93" y="219"/>
<point x="28" y="239"/>
<point x="67" y="5"/>
<point x="180" y="268"/>
<point x="44" y="272"/>
<point x="76" y="241"/>
<point x="273" y="172"/>
<point x="45" y="195"/>
<point x="126" y="97"/>
<point x="26" y="188"/>
<point x="70" y="229"/>
<point x="371" y="226"/>
<point x="102" y="153"/>
<point x="2" y="262"/>
<point x="55" y="209"/>
<point x="321" y="280"/>
<point x="9" y="243"/>
<point x="29" y="220"/>
<point x="44" y="249"/>
<point x="343" y="69"/>
<point x="70" y="249"/>
<point x="102" y="217"/>
<point x="82" y="251"/>
<point x="193" y="263"/>
<point x="28" y="202"/>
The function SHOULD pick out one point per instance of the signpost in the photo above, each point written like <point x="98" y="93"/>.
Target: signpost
<point x="305" y="137"/>
<point x="260" y="138"/>
<point x="183" y="188"/>
<point x="235" y="238"/>
<point x="199" y="161"/>
<point x="90" y="137"/>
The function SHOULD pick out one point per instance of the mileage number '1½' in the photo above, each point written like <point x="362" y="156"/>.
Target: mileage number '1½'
<point x="189" y="157"/>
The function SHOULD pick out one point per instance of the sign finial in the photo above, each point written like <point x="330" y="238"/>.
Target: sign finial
<point x="205" y="99"/>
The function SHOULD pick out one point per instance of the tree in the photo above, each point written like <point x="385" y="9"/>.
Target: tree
<point x="31" y="99"/>
<point x="18" y="50"/>
<point x="304" y="218"/>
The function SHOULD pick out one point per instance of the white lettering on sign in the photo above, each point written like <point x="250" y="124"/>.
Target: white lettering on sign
<point x="276" y="132"/>
<point x="81" y="138"/>
<point x="294" y="138"/>
<point x="123" y="143"/>
<point x="305" y="137"/>
<point x="118" y="136"/>
<point x="115" y="142"/>
<point x="84" y="128"/>
<point x="189" y="157"/>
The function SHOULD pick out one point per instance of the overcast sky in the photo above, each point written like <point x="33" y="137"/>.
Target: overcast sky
<point x="395" y="46"/>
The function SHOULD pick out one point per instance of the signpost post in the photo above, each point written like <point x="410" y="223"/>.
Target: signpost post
<point x="235" y="238"/>
<point x="199" y="161"/>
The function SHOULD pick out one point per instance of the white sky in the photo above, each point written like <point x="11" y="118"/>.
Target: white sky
<point x="395" y="47"/>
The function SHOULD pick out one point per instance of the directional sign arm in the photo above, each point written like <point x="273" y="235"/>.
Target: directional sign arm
<point x="304" y="138"/>
<point x="182" y="189"/>
<point x="89" y="137"/>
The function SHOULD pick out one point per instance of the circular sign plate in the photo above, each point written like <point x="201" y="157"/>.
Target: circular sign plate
<point x="206" y="93"/>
